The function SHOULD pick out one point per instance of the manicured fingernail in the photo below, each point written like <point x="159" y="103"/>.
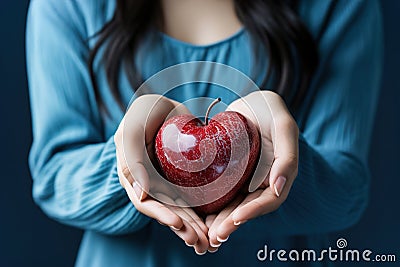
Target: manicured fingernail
<point x="161" y="223"/>
<point x="215" y="245"/>
<point x="174" y="228"/>
<point x="200" y="253"/>
<point x="222" y="240"/>
<point x="189" y="245"/>
<point x="279" y="185"/>
<point x="212" y="251"/>
<point x="137" y="190"/>
<point x="239" y="223"/>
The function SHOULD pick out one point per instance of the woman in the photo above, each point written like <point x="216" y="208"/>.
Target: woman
<point x="322" y="60"/>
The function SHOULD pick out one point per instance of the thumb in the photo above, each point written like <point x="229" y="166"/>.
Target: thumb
<point x="133" y="149"/>
<point x="141" y="178"/>
<point x="285" y="167"/>
<point x="282" y="175"/>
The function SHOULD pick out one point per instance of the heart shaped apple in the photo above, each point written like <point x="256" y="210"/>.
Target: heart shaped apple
<point x="216" y="157"/>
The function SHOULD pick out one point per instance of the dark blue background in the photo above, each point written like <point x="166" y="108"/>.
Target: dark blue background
<point x="28" y="238"/>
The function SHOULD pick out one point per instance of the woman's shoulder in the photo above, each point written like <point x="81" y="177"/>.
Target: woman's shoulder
<point x="85" y="16"/>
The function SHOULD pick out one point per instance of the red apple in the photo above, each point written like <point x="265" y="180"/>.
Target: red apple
<point x="215" y="157"/>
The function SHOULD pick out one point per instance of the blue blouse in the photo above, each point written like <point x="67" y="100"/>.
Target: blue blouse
<point x="72" y="158"/>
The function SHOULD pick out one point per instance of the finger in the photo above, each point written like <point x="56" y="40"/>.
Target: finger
<point x="192" y="214"/>
<point x="259" y="114"/>
<point x="286" y="152"/>
<point x="138" y="129"/>
<point x="214" y="238"/>
<point x="201" y="243"/>
<point x="283" y="173"/>
<point x="196" y="222"/>
<point x="285" y="166"/>
<point x="153" y="209"/>
<point x="132" y="158"/>
<point x="125" y="179"/>
<point x="242" y="106"/>
<point x="285" y="136"/>
<point x="191" y="234"/>
<point x="230" y="224"/>
<point x="262" y="171"/>
<point x="156" y="115"/>
<point x="119" y="159"/>
<point x="212" y="249"/>
<point x="148" y="112"/>
<point x="179" y="108"/>
<point x="210" y="219"/>
<point x="123" y="153"/>
<point x="125" y="176"/>
<point x="255" y="206"/>
<point x="187" y="234"/>
<point x="122" y="179"/>
<point x="258" y="117"/>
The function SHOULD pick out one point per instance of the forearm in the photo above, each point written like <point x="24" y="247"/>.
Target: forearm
<point x="80" y="187"/>
<point x="326" y="196"/>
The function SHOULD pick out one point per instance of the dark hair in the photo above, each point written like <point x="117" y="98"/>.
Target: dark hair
<point x="291" y="48"/>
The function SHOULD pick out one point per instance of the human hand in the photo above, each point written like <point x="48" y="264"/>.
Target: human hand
<point x="134" y="141"/>
<point x="276" y="170"/>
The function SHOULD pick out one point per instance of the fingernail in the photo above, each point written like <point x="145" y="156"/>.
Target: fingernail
<point x="222" y="240"/>
<point x="279" y="185"/>
<point x="200" y="253"/>
<point x="239" y="223"/>
<point x="174" y="228"/>
<point x="189" y="245"/>
<point x="212" y="251"/>
<point x="141" y="195"/>
<point x="137" y="190"/>
<point x="215" y="245"/>
<point x="161" y="223"/>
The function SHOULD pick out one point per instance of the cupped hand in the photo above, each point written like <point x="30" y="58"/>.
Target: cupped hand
<point x="134" y="141"/>
<point x="276" y="170"/>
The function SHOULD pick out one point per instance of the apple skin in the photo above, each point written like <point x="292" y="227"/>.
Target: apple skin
<point x="180" y="139"/>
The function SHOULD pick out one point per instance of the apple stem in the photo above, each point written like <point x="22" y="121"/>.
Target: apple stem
<point x="216" y="101"/>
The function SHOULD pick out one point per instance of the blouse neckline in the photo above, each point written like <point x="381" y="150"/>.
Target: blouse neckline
<point x="181" y="43"/>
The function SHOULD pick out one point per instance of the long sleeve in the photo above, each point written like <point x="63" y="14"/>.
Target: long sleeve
<point x="72" y="164"/>
<point x="331" y="190"/>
